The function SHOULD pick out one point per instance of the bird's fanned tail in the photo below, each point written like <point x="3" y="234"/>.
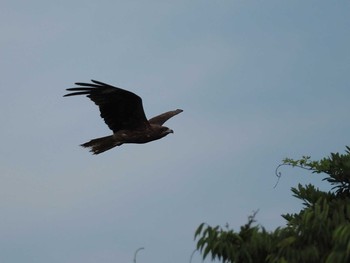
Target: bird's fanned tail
<point x="100" y="145"/>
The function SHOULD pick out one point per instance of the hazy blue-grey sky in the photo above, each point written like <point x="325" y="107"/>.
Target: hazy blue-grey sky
<point x="257" y="80"/>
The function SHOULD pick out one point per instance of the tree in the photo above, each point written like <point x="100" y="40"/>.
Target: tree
<point x="320" y="232"/>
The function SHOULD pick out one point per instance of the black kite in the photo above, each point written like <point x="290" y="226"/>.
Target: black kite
<point x="123" y="112"/>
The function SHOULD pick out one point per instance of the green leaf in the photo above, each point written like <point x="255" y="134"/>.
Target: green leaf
<point x="199" y="230"/>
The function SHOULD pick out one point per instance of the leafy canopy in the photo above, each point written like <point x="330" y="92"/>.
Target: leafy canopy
<point x="320" y="232"/>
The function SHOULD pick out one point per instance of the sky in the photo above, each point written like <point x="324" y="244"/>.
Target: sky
<point x="258" y="81"/>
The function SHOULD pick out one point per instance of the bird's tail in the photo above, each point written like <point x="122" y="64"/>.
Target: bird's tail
<point x="100" y="145"/>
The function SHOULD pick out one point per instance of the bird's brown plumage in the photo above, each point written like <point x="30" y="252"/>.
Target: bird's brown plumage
<point x="123" y="112"/>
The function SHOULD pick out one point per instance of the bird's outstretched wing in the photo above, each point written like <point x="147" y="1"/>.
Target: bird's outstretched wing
<point x="162" y="118"/>
<point x="120" y="109"/>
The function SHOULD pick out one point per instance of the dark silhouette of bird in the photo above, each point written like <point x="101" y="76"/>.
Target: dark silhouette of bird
<point x="123" y="112"/>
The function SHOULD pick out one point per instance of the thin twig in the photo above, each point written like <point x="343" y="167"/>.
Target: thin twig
<point x="194" y="251"/>
<point x="137" y="252"/>
<point x="279" y="174"/>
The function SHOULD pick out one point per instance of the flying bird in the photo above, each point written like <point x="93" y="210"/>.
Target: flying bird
<point x="123" y="113"/>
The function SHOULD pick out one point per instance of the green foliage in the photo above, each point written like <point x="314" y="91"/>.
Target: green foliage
<point x="320" y="232"/>
<point x="336" y="166"/>
<point x="249" y="245"/>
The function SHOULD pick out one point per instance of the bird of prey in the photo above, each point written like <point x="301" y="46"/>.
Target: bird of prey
<point x="123" y="112"/>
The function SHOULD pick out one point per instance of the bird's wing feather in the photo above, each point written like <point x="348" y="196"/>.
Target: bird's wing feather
<point x="162" y="118"/>
<point x="120" y="109"/>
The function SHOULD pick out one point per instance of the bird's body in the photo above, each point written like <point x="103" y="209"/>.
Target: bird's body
<point x="123" y="112"/>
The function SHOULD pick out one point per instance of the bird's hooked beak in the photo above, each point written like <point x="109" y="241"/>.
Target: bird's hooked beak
<point x="170" y="131"/>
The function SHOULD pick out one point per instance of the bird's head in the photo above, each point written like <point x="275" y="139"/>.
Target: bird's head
<point x="166" y="130"/>
<point x="160" y="131"/>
